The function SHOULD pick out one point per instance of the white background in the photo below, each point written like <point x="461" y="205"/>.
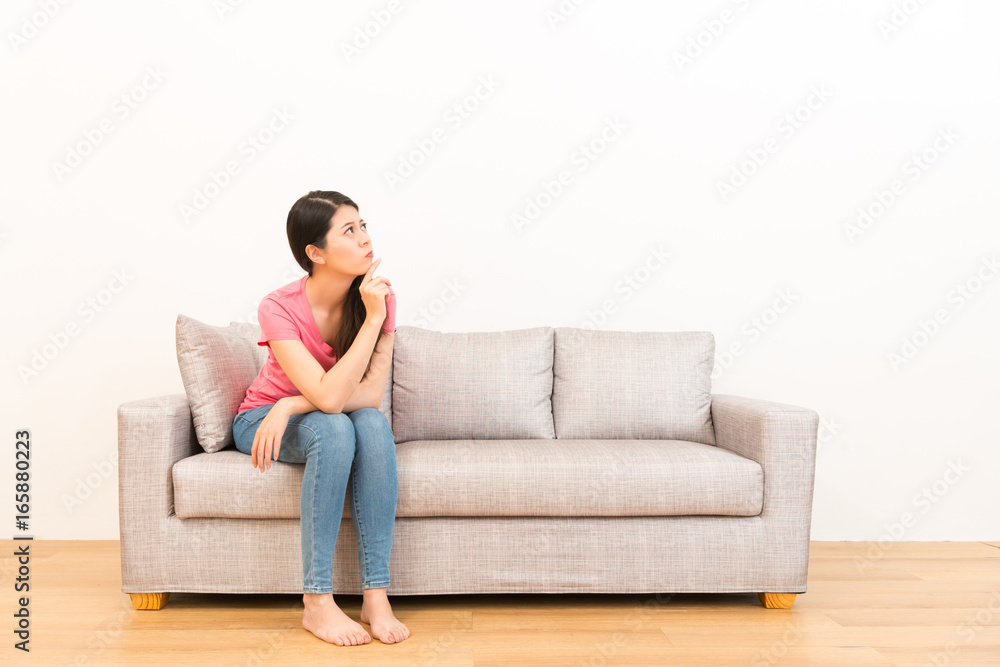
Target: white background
<point x="112" y="229"/>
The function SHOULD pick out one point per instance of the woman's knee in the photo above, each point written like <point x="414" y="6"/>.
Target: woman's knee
<point x="329" y="432"/>
<point x="368" y="417"/>
<point x="242" y="438"/>
<point x="374" y="429"/>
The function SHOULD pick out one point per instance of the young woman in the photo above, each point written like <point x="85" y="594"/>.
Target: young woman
<point x="316" y="401"/>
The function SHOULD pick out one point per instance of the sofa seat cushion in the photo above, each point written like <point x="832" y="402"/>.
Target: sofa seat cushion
<point x="519" y="477"/>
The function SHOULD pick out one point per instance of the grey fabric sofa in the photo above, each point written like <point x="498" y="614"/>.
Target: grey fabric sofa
<point x="543" y="460"/>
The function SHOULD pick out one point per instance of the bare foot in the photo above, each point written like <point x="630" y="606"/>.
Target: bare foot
<point x="326" y="620"/>
<point x="376" y="611"/>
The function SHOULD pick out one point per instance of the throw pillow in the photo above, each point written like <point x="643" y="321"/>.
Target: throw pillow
<point x="218" y="364"/>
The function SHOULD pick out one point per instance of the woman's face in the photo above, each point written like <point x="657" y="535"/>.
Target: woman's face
<point x="348" y="246"/>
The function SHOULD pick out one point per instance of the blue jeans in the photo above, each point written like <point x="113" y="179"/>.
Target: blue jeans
<point x="356" y="450"/>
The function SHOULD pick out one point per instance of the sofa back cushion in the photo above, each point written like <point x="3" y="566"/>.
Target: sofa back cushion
<point x="476" y="385"/>
<point x="218" y="364"/>
<point x="633" y="385"/>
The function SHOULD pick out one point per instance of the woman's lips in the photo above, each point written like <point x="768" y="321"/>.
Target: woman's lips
<point x="369" y="255"/>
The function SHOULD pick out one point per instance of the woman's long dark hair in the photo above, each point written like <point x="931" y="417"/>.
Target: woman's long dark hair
<point x="308" y="223"/>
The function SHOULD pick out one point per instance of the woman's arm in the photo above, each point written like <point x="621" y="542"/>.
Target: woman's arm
<point x="295" y="405"/>
<point x="368" y="393"/>
<point x="328" y="390"/>
<point x="372" y="386"/>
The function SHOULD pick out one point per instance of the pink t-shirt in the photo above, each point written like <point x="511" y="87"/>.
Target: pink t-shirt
<point x="285" y="314"/>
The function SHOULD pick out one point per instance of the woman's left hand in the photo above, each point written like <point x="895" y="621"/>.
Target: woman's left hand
<point x="267" y="440"/>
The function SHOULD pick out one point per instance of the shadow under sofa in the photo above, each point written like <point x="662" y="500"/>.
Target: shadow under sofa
<point x="544" y="460"/>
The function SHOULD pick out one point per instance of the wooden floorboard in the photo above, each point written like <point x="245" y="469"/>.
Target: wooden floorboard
<point x="867" y="603"/>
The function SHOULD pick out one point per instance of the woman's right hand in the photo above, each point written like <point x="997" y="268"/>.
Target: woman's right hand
<point x="374" y="292"/>
<point x="267" y="439"/>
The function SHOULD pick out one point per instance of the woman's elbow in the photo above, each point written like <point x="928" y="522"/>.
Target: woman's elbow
<point x="325" y="405"/>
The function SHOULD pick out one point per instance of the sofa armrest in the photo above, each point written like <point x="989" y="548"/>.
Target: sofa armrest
<point x="782" y="439"/>
<point x="153" y="434"/>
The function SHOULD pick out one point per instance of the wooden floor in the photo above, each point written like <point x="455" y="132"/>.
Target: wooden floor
<point x="901" y="603"/>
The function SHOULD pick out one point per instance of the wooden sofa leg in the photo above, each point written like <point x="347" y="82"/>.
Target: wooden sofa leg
<point x="776" y="600"/>
<point x="149" y="600"/>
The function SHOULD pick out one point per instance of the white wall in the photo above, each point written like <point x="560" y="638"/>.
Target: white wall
<point x="880" y="100"/>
